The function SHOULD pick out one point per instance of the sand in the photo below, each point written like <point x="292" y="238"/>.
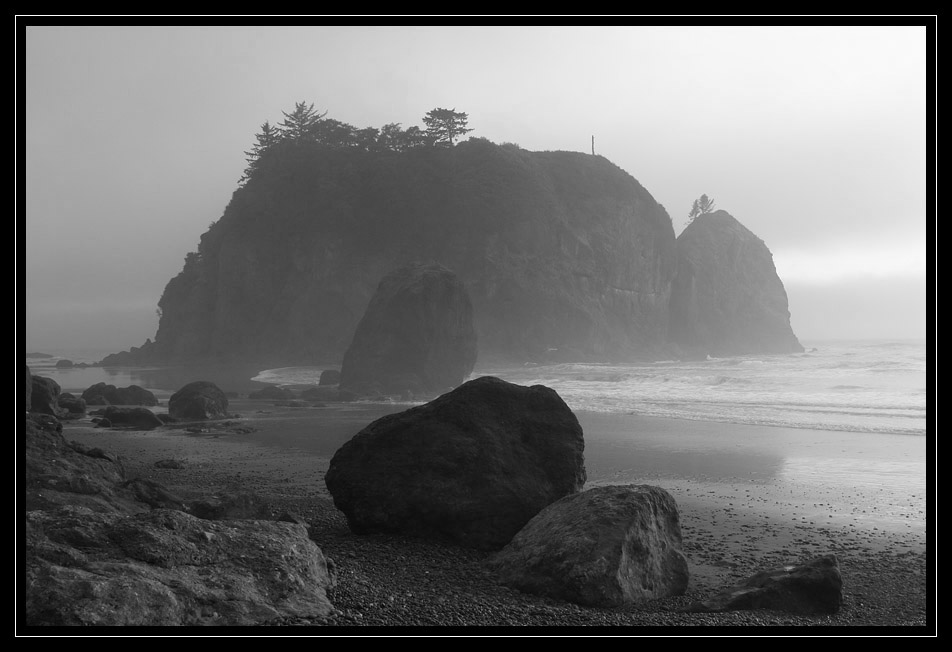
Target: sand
<point x="750" y="498"/>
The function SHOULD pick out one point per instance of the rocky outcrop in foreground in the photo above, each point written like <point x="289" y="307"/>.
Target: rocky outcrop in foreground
<point x="44" y="396"/>
<point x="606" y="546"/>
<point x="165" y="567"/>
<point x="416" y="337"/>
<point x="97" y="553"/>
<point x="472" y="466"/>
<point x="727" y="298"/>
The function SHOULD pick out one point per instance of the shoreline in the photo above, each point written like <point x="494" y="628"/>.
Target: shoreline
<point x="766" y="502"/>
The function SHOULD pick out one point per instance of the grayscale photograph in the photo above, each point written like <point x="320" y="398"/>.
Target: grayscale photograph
<point x="492" y="330"/>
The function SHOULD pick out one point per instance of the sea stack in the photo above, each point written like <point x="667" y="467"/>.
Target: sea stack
<point x="727" y="298"/>
<point x="416" y="336"/>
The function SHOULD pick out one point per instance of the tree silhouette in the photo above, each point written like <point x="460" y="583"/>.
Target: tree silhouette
<point x="267" y="138"/>
<point x="444" y="126"/>
<point x="299" y="124"/>
<point x="700" y="206"/>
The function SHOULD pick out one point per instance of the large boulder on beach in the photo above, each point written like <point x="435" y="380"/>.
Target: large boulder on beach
<point x="104" y="394"/>
<point x="198" y="401"/>
<point x="604" y="547"/>
<point x="814" y="587"/>
<point x="472" y="466"/>
<point x="140" y="418"/>
<point x="44" y="396"/>
<point x="416" y="335"/>
<point x="168" y="568"/>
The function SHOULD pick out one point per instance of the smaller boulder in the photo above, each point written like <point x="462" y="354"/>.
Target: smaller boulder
<point x="103" y="394"/>
<point x="329" y="377"/>
<point x="604" y="547"/>
<point x="64" y="364"/>
<point x="198" y="401"/>
<point x="72" y="404"/>
<point x="136" y="417"/>
<point x="815" y="587"/>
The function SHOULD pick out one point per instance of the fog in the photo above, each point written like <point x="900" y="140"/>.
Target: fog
<point x="815" y="138"/>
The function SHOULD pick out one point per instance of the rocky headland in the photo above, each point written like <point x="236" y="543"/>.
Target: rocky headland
<point x="564" y="256"/>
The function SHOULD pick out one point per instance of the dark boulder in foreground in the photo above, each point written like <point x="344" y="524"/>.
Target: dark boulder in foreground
<point x="198" y="401"/>
<point x="604" y="547"/>
<point x="815" y="587"/>
<point x="416" y="335"/>
<point x="133" y="417"/>
<point x="167" y="568"/>
<point x="727" y="298"/>
<point x="472" y="466"/>
<point x="103" y="394"/>
<point x="44" y="396"/>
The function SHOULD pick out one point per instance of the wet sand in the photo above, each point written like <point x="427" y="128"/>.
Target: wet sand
<point x="750" y="497"/>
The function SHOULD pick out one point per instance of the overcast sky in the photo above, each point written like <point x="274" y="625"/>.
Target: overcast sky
<point x="814" y="138"/>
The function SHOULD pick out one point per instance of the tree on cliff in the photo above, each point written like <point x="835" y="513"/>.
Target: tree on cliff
<point x="445" y="125"/>
<point x="701" y="206"/>
<point x="300" y="123"/>
<point x="266" y="139"/>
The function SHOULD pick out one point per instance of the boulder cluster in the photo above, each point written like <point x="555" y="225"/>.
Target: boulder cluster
<point x="489" y="465"/>
<point x="106" y="549"/>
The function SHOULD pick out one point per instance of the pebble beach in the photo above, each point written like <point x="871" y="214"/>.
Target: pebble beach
<point x="750" y="498"/>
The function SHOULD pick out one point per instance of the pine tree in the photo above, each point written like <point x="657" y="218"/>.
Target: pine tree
<point x="267" y="138"/>
<point x="299" y="124"/>
<point x="444" y="126"/>
<point x="700" y="206"/>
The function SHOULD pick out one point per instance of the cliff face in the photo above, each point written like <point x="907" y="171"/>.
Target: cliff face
<point x="564" y="255"/>
<point x="727" y="298"/>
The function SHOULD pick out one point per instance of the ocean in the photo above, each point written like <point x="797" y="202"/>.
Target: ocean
<point x="856" y="386"/>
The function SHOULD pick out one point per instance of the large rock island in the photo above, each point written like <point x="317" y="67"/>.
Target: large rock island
<point x="564" y="255"/>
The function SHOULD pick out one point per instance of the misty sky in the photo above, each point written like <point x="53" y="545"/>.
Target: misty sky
<point x="814" y="138"/>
